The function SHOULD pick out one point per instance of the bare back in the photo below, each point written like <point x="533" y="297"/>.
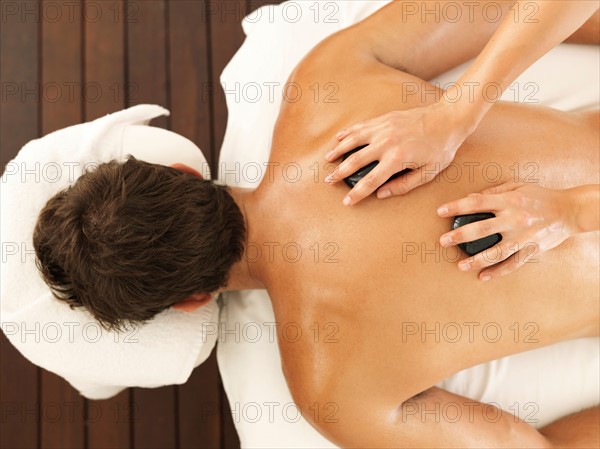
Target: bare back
<point x="385" y="306"/>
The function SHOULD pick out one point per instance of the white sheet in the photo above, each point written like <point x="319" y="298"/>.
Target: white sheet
<point x="539" y="385"/>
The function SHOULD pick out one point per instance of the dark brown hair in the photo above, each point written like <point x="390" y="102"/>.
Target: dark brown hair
<point x="128" y="240"/>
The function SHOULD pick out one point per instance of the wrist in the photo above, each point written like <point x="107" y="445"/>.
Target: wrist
<point x="462" y="111"/>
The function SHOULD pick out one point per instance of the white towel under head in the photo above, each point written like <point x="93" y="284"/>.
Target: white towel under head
<point x="70" y="342"/>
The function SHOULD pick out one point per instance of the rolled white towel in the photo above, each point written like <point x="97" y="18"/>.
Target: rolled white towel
<point x="70" y="342"/>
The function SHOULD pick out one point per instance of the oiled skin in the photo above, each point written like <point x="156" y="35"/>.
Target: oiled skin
<point x="373" y="289"/>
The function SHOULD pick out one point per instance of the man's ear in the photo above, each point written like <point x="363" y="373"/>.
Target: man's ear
<point x="187" y="169"/>
<point x="192" y="302"/>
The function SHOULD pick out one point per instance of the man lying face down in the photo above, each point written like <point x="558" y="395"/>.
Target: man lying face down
<point x="129" y="240"/>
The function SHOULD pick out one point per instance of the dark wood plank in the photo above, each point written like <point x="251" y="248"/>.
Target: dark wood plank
<point x="61" y="67"/>
<point x="19" y="426"/>
<point x="226" y="36"/>
<point x="105" y="87"/>
<point x="146" y="54"/>
<point x="154" y="418"/>
<point x="109" y="422"/>
<point x="62" y="414"/>
<point x="230" y="438"/>
<point x="61" y="407"/>
<point x="190" y="81"/>
<point x="19" y="123"/>
<point x="199" y="413"/>
<point x="19" y="50"/>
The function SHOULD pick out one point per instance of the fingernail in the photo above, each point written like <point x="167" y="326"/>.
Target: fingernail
<point x="329" y="155"/>
<point x="446" y="240"/>
<point x="442" y="210"/>
<point x="328" y="178"/>
<point x="347" y="201"/>
<point x="486" y="277"/>
<point x="339" y="134"/>
<point x="464" y="266"/>
<point x="384" y="194"/>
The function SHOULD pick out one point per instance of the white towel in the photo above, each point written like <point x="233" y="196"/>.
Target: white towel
<point x="69" y="342"/>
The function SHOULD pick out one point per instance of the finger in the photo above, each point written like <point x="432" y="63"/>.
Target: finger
<point x="391" y="187"/>
<point x="406" y="183"/>
<point x="342" y="134"/>
<point x="470" y="204"/>
<point x="489" y="257"/>
<point x="474" y="231"/>
<point x="367" y="185"/>
<point x="352" y="164"/>
<point x="350" y="143"/>
<point x="513" y="263"/>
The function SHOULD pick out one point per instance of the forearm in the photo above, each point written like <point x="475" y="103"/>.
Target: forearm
<point x="586" y="202"/>
<point x="526" y="33"/>
<point x="579" y="430"/>
<point x="414" y="36"/>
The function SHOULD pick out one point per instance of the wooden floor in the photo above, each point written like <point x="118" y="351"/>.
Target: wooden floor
<point x="65" y="62"/>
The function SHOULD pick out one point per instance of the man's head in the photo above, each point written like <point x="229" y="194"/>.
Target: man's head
<point x="129" y="240"/>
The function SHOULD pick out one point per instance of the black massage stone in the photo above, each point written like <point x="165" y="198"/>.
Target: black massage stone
<point x="353" y="179"/>
<point x="476" y="246"/>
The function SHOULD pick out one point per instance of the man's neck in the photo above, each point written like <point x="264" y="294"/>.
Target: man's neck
<point x="242" y="275"/>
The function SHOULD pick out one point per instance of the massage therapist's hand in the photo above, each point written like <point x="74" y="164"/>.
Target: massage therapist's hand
<point x="531" y="220"/>
<point x="424" y="139"/>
